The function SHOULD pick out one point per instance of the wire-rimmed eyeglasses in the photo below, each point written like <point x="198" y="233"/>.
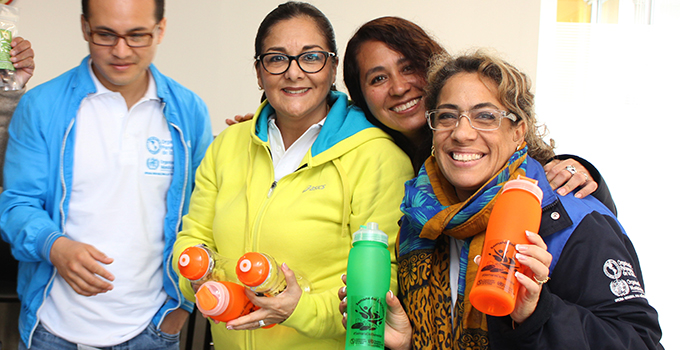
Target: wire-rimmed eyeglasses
<point x="484" y="119"/>
<point x="135" y="39"/>
<point x="309" y="61"/>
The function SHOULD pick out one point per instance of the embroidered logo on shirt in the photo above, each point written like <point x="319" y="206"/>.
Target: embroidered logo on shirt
<point x="160" y="159"/>
<point x="625" y="284"/>
<point x="314" y="188"/>
<point x="152" y="163"/>
<point x="153" y="144"/>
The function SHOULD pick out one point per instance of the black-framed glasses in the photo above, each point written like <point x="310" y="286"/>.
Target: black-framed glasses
<point x="309" y="61"/>
<point x="136" y="39"/>
<point x="484" y="119"/>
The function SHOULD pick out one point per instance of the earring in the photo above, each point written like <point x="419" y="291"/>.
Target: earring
<point x="432" y="153"/>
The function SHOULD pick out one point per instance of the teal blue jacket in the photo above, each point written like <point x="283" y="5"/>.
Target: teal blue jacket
<point x="39" y="171"/>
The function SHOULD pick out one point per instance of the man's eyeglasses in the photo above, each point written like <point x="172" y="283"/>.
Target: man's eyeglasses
<point x="309" y="62"/>
<point x="484" y="119"/>
<point x="136" y="39"/>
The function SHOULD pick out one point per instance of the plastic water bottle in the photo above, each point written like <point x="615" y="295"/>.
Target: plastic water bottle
<point x="223" y="301"/>
<point x="264" y="276"/>
<point x="200" y="264"/>
<point x="368" y="280"/>
<point x="517" y="209"/>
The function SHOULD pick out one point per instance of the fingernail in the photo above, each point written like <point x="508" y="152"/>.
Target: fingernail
<point x="230" y="328"/>
<point x="520" y="257"/>
<point x="391" y="293"/>
<point x="344" y="300"/>
<point x="344" y="314"/>
<point x="578" y="195"/>
<point x="284" y="266"/>
<point x="342" y="276"/>
<point x="344" y="289"/>
<point x="561" y="192"/>
<point x="529" y="233"/>
<point x="521" y="248"/>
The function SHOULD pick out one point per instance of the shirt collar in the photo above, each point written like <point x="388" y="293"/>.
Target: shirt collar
<point x="150" y="94"/>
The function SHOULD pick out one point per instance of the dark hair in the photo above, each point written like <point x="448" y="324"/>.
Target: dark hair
<point x="293" y="9"/>
<point x="160" y="9"/>
<point x="290" y="10"/>
<point x="417" y="46"/>
<point x="514" y="92"/>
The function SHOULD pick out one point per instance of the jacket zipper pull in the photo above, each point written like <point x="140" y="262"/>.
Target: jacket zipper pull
<point x="271" y="189"/>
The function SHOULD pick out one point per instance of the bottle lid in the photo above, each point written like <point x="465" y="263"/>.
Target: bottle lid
<point x="370" y="232"/>
<point x="212" y="298"/>
<point x="526" y="184"/>
<point x="253" y="269"/>
<point x="194" y="263"/>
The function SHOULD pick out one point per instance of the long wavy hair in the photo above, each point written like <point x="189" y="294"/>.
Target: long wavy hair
<point x="514" y="90"/>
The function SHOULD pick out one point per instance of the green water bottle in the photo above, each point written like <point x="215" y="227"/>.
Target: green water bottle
<point x="368" y="280"/>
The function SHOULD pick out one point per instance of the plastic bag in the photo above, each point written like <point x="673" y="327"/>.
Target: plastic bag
<point x="9" y="16"/>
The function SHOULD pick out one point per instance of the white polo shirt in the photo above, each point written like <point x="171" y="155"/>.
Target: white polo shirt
<point x="123" y="166"/>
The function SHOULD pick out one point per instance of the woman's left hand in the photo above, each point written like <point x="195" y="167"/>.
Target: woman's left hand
<point x="272" y="309"/>
<point x="568" y="175"/>
<point x="536" y="261"/>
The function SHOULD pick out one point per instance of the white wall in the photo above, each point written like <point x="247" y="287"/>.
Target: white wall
<point x="209" y="43"/>
<point x="209" y="47"/>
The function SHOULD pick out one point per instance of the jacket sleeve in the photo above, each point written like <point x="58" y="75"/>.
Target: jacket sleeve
<point x="25" y="223"/>
<point x="204" y="136"/>
<point x="376" y="176"/>
<point x="594" y="300"/>
<point x="602" y="193"/>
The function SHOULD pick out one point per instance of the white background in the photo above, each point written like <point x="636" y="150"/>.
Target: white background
<point x="620" y="113"/>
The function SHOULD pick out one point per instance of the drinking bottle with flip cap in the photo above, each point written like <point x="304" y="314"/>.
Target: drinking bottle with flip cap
<point x="517" y="210"/>
<point x="263" y="275"/>
<point x="224" y="301"/>
<point x="200" y="264"/>
<point x="368" y="281"/>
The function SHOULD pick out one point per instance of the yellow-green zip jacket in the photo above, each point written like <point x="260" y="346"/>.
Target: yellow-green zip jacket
<point x="353" y="174"/>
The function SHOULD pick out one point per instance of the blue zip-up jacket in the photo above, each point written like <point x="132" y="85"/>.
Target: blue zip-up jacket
<point x="39" y="171"/>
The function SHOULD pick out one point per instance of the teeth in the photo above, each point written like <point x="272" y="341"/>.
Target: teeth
<point x="295" y="91"/>
<point x="406" y="105"/>
<point x="466" y="157"/>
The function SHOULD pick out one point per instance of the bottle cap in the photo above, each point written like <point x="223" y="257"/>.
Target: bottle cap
<point x="370" y="232"/>
<point x="194" y="263"/>
<point x="526" y="184"/>
<point x="253" y="269"/>
<point x="212" y="298"/>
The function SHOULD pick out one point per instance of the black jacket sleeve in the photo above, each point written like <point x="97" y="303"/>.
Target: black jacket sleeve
<point x="602" y="193"/>
<point x="594" y="300"/>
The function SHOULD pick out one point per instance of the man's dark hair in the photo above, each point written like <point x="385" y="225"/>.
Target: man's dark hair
<point x="160" y="9"/>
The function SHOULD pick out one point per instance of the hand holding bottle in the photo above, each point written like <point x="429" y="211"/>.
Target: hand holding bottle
<point x="398" y="329"/>
<point x="272" y="309"/>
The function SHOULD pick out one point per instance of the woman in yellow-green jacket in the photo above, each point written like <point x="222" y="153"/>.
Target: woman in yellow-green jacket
<point x="295" y="183"/>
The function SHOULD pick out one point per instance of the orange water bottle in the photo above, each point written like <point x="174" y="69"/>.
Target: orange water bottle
<point x="223" y="301"/>
<point x="517" y="209"/>
<point x="264" y="276"/>
<point x="199" y="264"/>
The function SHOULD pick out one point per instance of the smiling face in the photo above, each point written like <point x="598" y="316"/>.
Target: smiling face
<point x="297" y="95"/>
<point x="392" y="88"/>
<point x="122" y="68"/>
<point x="467" y="157"/>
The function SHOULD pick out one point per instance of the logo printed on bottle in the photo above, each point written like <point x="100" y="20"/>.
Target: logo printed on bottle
<point x="370" y="309"/>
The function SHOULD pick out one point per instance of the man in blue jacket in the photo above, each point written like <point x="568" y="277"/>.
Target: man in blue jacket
<point x="99" y="169"/>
